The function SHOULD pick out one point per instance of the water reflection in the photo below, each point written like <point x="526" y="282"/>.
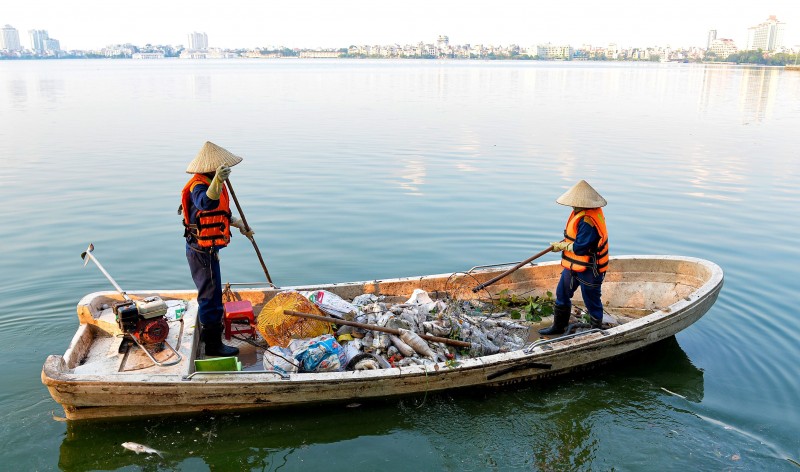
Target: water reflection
<point x="18" y="93"/>
<point x="546" y="425"/>
<point x="571" y="429"/>
<point x="413" y="175"/>
<point x="202" y="87"/>
<point x="52" y="90"/>
<point x="756" y="90"/>
<point x="757" y="93"/>
<point x="716" y="82"/>
<point x="222" y="442"/>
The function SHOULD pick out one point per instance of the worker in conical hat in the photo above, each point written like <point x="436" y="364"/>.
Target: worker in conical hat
<point x="207" y="220"/>
<point x="584" y="256"/>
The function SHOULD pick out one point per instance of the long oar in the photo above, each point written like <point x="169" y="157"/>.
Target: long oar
<point x="396" y="332"/>
<point x="509" y="271"/>
<point x="247" y="228"/>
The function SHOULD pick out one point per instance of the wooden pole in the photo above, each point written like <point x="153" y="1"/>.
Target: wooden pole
<point x="247" y="228"/>
<point x="396" y="332"/>
<point x="509" y="271"/>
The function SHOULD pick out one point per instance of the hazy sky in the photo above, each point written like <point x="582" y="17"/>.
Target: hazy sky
<point x="88" y="24"/>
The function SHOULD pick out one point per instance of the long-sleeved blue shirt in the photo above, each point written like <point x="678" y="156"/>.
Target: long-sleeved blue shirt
<point x="586" y="240"/>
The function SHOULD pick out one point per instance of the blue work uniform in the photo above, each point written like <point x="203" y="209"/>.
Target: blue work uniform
<point x="204" y="263"/>
<point x="590" y="280"/>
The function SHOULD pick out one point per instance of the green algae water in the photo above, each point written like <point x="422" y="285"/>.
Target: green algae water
<point x="357" y="170"/>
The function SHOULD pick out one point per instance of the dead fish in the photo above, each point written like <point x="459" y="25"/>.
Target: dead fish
<point x="367" y="364"/>
<point x="404" y="348"/>
<point x="416" y="343"/>
<point x="140" y="448"/>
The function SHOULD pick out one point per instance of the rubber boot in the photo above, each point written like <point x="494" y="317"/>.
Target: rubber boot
<point x="211" y="335"/>
<point x="596" y="323"/>
<point x="560" y="321"/>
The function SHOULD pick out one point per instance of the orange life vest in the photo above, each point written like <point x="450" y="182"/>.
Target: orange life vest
<point x="598" y="260"/>
<point x="212" y="227"/>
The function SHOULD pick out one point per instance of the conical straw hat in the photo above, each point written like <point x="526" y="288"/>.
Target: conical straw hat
<point x="582" y="195"/>
<point x="210" y="157"/>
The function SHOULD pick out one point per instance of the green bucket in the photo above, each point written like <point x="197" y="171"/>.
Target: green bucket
<point x="217" y="364"/>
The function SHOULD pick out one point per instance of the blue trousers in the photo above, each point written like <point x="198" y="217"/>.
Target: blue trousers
<point x="590" y="290"/>
<point x="205" y="272"/>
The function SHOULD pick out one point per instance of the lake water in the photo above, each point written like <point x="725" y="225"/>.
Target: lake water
<point x="356" y="170"/>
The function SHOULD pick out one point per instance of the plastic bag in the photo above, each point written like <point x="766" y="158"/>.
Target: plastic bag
<point x="320" y="354"/>
<point x="280" y="359"/>
<point x="330" y="303"/>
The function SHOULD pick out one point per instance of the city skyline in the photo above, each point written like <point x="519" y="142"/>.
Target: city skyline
<point x="322" y="24"/>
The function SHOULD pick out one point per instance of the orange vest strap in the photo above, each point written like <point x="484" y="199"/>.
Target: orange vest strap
<point x="211" y="227"/>
<point x="597" y="259"/>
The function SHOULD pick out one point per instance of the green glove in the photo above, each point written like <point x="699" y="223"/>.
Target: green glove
<point x="562" y="246"/>
<point x="215" y="187"/>
<point x="237" y="222"/>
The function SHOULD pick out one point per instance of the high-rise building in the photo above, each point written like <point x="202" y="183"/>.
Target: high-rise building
<point x="712" y="35"/>
<point x="10" y="39"/>
<point x="723" y="48"/>
<point x="767" y="36"/>
<point x="38" y="37"/>
<point x="198" y="41"/>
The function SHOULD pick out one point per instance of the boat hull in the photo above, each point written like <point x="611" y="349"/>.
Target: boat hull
<point x="692" y="291"/>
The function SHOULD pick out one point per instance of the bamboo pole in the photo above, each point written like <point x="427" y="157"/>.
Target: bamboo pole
<point x="247" y="228"/>
<point x="513" y="269"/>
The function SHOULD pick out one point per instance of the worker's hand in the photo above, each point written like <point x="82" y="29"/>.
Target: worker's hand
<point x="215" y="187"/>
<point x="237" y="222"/>
<point x="223" y="172"/>
<point x="562" y="246"/>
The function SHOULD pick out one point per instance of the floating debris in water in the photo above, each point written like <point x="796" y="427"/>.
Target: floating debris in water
<point x="673" y="393"/>
<point x="141" y="448"/>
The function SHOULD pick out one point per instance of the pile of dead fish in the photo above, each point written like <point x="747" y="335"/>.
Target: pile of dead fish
<point x="355" y="348"/>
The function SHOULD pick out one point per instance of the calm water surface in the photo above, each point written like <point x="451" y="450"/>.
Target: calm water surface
<point x="356" y="170"/>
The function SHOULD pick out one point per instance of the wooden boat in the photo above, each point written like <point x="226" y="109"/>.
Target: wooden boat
<point x="660" y="295"/>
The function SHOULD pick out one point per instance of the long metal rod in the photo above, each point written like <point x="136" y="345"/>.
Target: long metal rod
<point x="88" y="252"/>
<point x="247" y="228"/>
<point x="513" y="269"/>
<point x="396" y="332"/>
<point x="234" y="372"/>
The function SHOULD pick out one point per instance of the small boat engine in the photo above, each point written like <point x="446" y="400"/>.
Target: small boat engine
<point x="143" y="319"/>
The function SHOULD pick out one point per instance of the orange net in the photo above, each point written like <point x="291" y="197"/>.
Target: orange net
<point x="278" y="329"/>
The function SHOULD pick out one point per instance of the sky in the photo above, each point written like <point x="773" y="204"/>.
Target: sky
<point x="93" y="24"/>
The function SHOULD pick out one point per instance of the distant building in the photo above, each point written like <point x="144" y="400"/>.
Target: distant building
<point x="42" y="43"/>
<point x="767" y="36"/>
<point x="189" y="54"/>
<point x="319" y="54"/>
<point x="712" y="35"/>
<point x="549" y="51"/>
<point x="38" y="37"/>
<point x="198" y="41"/>
<point x="722" y="48"/>
<point x="9" y="39"/>
<point x="147" y="55"/>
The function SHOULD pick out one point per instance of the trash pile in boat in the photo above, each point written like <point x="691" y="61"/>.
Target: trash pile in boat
<point x="305" y="345"/>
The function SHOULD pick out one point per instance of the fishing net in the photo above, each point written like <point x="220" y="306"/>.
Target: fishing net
<point x="278" y="329"/>
<point x="483" y="317"/>
<point x="461" y="300"/>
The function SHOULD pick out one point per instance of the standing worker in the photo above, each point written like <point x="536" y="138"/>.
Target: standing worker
<point x="584" y="256"/>
<point x="207" y="220"/>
